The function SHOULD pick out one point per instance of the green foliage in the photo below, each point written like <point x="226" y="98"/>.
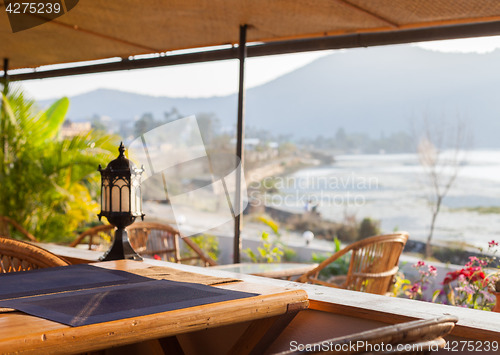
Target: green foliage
<point x="368" y="228"/>
<point x="415" y="289"/>
<point x="49" y="185"/>
<point x="144" y="124"/>
<point x="400" y="286"/>
<point x="270" y="223"/>
<point x="289" y="254"/>
<point x="209" y="244"/>
<point x="345" y="142"/>
<point x="348" y="231"/>
<point x="338" y="267"/>
<point x="351" y="230"/>
<point x="268" y="252"/>
<point x="479" y="209"/>
<point x="270" y="185"/>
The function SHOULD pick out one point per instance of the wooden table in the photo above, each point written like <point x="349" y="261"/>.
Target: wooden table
<point x="274" y="270"/>
<point x="266" y="316"/>
<point x="72" y="255"/>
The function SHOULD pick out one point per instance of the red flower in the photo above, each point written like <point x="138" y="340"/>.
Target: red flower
<point x="471" y="273"/>
<point x="415" y="288"/>
<point x="419" y="264"/>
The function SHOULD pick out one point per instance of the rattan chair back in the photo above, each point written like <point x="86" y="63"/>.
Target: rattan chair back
<point x="162" y="241"/>
<point x="16" y="255"/>
<point x="154" y="240"/>
<point x="96" y="236"/>
<point x="373" y="264"/>
<point x="11" y="229"/>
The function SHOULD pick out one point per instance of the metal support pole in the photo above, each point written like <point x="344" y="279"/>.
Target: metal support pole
<point x="240" y="136"/>
<point x="3" y="117"/>
<point x="5" y="78"/>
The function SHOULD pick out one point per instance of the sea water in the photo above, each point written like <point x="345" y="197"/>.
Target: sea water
<point x="396" y="190"/>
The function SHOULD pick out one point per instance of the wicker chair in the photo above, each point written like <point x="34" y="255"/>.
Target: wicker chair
<point x="415" y="337"/>
<point x="16" y="255"/>
<point x="96" y="236"/>
<point x="374" y="262"/>
<point x="10" y="228"/>
<point x="152" y="240"/>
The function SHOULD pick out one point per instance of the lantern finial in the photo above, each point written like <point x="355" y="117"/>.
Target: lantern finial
<point x="121" y="149"/>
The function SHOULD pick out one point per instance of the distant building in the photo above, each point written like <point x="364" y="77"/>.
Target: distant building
<point x="250" y="143"/>
<point x="71" y="129"/>
<point x="257" y="150"/>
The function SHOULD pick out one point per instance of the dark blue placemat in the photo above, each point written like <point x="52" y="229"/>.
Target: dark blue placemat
<point x="105" y="304"/>
<point x="61" y="279"/>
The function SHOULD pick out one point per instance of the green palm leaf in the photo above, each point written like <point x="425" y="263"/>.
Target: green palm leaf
<point x="48" y="184"/>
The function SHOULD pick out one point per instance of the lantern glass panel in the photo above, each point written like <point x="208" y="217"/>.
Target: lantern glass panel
<point x="125" y="190"/>
<point x="120" y="200"/>
<point x="115" y="199"/>
<point x="105" y="194"/>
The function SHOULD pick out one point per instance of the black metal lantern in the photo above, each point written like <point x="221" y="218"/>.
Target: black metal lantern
<point x="121" y="203"/>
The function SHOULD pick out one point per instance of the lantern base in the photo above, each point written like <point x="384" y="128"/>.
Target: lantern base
<point x="121" y="248"/>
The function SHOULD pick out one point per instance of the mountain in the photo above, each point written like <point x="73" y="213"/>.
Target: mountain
<point x="375" y="91"/>
<point x="126" y="106"/>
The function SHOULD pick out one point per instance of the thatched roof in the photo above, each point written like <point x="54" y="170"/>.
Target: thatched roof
<point x="97" y="29"/>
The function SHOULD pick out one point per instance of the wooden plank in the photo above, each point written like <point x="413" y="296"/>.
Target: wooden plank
<point x="263" y="332"/>
<point x="171" y="346"/>
<point x="252" y="335"/>
<point x="277" y="328"/>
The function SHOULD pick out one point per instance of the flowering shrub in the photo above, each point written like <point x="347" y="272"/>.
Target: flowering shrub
<point x="415" y="290"/>
<point x="468" y="287"/>
<point x="470" y="272"/>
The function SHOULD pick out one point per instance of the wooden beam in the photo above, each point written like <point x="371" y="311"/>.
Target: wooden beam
<point x="355" y="40"/>
<point x="128" y="64"/>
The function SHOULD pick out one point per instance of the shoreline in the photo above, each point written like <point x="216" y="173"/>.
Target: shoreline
<point x="392" y="175"/>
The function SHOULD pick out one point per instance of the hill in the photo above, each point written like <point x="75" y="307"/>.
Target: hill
<point x="375" y="91"/>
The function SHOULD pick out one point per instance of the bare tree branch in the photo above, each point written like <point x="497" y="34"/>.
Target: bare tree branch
<point x="441" y="151"/>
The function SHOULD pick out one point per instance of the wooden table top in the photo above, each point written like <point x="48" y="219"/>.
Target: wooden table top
<point x="274" y="270"/>
<point x="22" y="333"/>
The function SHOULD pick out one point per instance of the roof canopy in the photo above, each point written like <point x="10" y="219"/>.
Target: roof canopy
<point x="98" y="29"/>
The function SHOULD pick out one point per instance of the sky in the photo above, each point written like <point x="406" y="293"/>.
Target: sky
<point x="214" y="78"/>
